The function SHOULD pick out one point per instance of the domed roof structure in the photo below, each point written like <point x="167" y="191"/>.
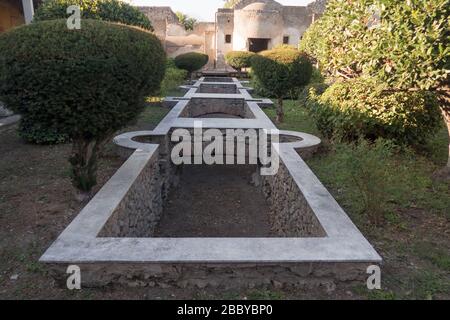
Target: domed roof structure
<point x="263" y="6"/>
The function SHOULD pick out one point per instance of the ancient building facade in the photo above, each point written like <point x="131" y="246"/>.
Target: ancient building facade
<point x="16" y="12"/>
<point x="251" y="25"/>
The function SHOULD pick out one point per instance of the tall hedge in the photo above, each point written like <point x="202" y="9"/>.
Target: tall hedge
<point x="84" y="83"/>
<point x="191" y="61"/>
<point x="280" y="71"/>
<point x="402" y="43"/>
<point x="363" y="108"/>
<point x="107" y="10"/>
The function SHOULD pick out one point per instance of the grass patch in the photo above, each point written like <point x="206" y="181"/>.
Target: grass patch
<point x="265" y="295"/>
<point x="399" y="183"/>
<point x="375" y="294"/>
<point x="296" y="118"/>
<point x="408" y="174"/>
<point x="428" y="285"/>
<point x="431" y="252"/>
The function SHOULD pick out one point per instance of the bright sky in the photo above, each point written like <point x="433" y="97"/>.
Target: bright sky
<point x="203" y="10"/>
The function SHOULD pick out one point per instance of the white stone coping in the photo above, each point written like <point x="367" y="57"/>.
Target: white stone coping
<point x="7" y="121"/>
<point x="306" y="140"/>
<point x="79" y="242"/>
<point x="173" y="120"/>
<point x="243" y="92"/>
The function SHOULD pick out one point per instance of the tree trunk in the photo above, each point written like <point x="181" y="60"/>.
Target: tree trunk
<point x="84" y="163"/>
<point x="446" y="114"/>
<point x="280" y="112"/>
<point x="444" y="103"/>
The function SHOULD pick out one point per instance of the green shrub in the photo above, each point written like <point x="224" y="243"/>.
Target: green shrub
<point x="316" y="76"/>
<point x="281" y="70"/>
<point x="173" y="78"/>
<point x="368" y="168"/>
<point x="311" y="91"/>
<point x="107" y="10"/>
<point x="284" y="46"/>
<point x="170" y="63"/>
<point x="191" y="61"/>
<point x="317" y="83"/>
<point x="401" y="43"/>
<point x="34" y="130"/>
<point x="354" y="108"/>
<point x="84" y="83"/>
<point x="258" y="88"/>
<point x="239" y="59"/>
<point x="187" y="22"/>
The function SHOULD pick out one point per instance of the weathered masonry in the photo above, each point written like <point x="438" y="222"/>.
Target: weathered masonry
<point x="115" y="238"/>
<point x="251" y="25"/>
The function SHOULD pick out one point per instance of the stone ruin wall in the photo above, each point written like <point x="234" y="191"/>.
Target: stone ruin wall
<point x="140" y="210"/>
<point x="175" y="38"/>
<point x="290" y="21"/>
<point x="224" y="275"/>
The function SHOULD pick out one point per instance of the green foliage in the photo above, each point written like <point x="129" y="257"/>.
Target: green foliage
<point x="230" y="3"/>
<point x="312" y="41"/>
<point x="84" y="83"/>
<point x="279" y="71"/>
<point x="297" y="118"/>
<point x="239" y="59"/>
<point x="408" y="181"/>
<point x="191" y="61"/>
<point x="316" y="76"/>
<point x="427" y="285"/>
<point x="316" y="85"/>
<point x="401" y="43"/>
<point x="263" y="294"/>
<point x="258" y="88"/>
<point x="284" y="46"/>
<point x="434" y="254"/>
<point x="411" y="44"/>
<point x="310" y="92"/>
<point x="186" y="21"/>
<point x="404" y="43"/>
<point x="409" y="194"/>
<point x="362" y="108"/>
<point x="366" y="165"/>
<point x="34" y="130"/>
<point x="170" y="63"/>
<point x="173" y="78"/>
<point x="340" y="38"/>
<point x="107" y="10"/>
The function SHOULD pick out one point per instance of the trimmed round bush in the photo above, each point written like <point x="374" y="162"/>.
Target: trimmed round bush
<point x="280" y="71"/>
<point x="85" y="84"/>
<point x="362" y="108"/>
<point x="239" y="59"/>
<point x="107" y="10"/>
<point x="191" y="61"/>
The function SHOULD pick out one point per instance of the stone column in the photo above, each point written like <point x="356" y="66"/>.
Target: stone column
<point x="28" y="10"/>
